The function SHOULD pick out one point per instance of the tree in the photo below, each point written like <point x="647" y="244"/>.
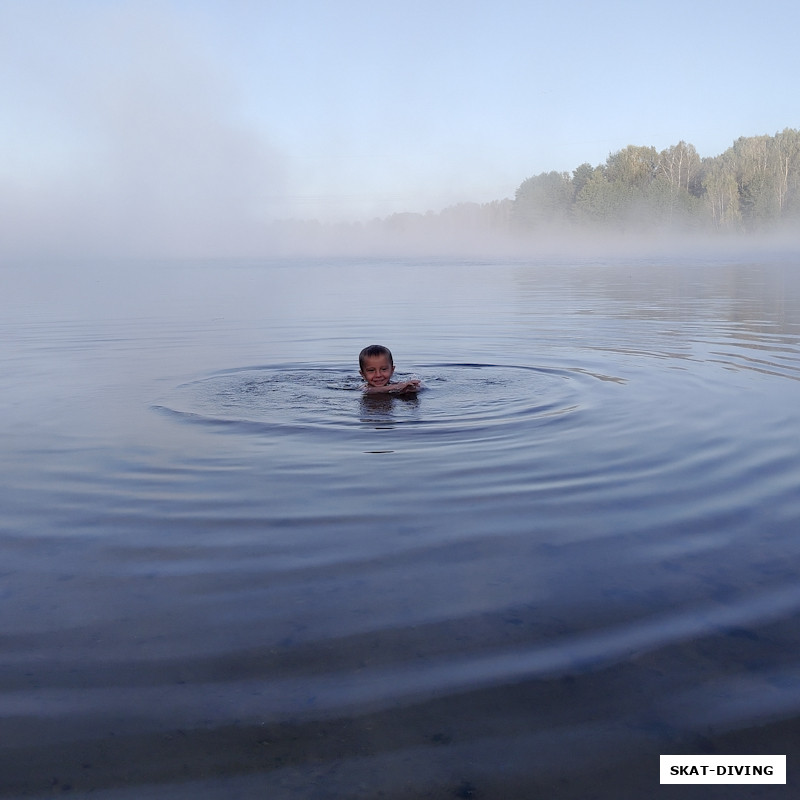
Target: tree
<point x="722" y="192"/>
<point x="544" y="199"/>
<point x="672" y="193"/>
<point x="752" y="163"/>
<point x="635" y="166"/>
<point x="601" y="202"/>
<point x="785" y="160"/>
<point x="580" y="177"/>
<point x="679" y="165"/>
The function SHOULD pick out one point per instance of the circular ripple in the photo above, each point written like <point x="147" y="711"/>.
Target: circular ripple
<point x="454" y="396"/>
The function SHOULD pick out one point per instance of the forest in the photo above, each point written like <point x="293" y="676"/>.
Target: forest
<point x="753" y="186"/>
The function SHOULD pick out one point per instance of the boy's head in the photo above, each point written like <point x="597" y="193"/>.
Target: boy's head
<point x="376" y="365"/>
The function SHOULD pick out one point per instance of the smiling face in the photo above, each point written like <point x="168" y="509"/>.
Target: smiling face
<point x="376" y="370"/>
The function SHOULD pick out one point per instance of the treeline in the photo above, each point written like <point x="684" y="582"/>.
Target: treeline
<point x="753" y="185"/>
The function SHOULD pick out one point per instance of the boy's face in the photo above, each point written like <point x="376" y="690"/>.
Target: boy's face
<point x="377" y="370"/>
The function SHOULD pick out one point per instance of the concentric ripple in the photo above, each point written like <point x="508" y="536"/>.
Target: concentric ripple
<point x="455" y="395"/>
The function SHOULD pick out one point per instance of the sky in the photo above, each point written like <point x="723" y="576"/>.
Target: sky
<point x="183" y="127"/>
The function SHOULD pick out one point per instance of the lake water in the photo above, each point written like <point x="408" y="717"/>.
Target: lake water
<point x="227" y="573"/>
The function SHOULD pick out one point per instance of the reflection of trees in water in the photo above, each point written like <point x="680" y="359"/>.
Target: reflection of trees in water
<point x="746" y="315"/>
<point x="756" y="297"/>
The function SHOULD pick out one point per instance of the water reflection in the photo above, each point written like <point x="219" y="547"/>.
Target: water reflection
<point x="761" y="298"/>
<point x="381" y="409"/>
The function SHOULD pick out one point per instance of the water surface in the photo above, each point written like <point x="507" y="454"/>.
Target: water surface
<point x="228" y="573"/>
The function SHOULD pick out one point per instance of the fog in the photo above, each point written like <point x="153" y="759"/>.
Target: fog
<point x="133" y="132"/>
<point x="134" y="147"/>
<point x="131" y="140"/>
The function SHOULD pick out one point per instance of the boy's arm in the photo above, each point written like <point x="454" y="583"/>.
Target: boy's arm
<point x="395" y="388"/>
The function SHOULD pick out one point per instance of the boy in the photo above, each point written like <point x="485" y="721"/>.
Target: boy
<point x="376" y="365"/>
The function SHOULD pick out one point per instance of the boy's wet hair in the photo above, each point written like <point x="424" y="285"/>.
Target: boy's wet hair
<point x="374" y="350"/>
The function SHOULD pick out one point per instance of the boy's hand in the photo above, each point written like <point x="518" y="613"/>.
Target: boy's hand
<point x="407" y="386"/>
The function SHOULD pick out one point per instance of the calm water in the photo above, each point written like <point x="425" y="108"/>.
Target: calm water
<point x="228" y="574"/>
